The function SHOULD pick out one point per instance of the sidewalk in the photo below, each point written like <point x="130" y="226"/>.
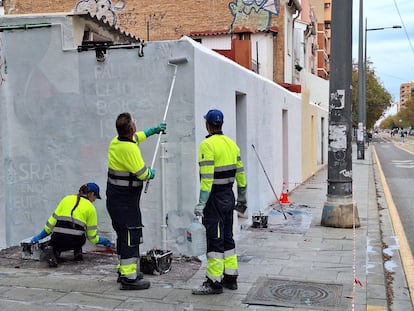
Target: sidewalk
<point x="294" y="264"/>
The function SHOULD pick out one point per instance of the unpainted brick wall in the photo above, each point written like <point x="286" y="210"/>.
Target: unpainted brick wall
<point x="161" y="20"/>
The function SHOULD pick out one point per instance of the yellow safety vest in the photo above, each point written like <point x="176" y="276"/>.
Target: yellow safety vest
<point x="126" y="166"/>
<point x="83" y="220"/>
<point x="220" y="163"/>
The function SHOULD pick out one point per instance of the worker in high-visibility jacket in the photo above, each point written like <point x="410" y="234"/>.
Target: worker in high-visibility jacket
<point x="220" y="165"/>
<point x="73" y="221"/>
<point x="126" y="175"/>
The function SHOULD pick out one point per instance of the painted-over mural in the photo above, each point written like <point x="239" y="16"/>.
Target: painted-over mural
<point x="254" y="14"/>
<point x="101" y="9"/>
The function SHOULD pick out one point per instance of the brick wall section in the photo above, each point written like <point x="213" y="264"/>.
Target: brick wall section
<point x="163" y="20"/>
<point x="278" y="58"/>
<point x="279" y="49"/>
<point x="33" y="6"/>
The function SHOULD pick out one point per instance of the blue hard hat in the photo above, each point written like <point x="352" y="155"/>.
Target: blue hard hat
<point x="214" y="117"/>
<point x="92" y="187"/>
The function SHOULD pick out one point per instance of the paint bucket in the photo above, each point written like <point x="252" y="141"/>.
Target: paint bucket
<point x="259" y="221"/>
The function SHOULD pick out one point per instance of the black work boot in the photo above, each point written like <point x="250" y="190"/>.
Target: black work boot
<point x="137" y="284"/>
<point x="77" y="254"/>
<point x="230" y="281"/>
<point x="50" y="257"/>
<point x="140" y="276"/>
<point x="208" y="288"/>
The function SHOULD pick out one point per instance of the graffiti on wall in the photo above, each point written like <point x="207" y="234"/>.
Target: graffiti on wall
<point x="254" y="14"/>
<point x="101" y="9"/>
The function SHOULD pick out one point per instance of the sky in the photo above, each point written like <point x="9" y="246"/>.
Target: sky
<point x="391" y="51"/>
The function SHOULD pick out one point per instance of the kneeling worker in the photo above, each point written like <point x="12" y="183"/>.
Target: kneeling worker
<point x="73" y="220"/>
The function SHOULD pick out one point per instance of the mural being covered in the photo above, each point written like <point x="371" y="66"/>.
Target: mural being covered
<point x="254" y="14"/>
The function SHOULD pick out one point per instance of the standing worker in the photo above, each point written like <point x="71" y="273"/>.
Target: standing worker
<point x="220" y="164"/>
<point x="74" y="217"/>
<point x="126" y="175"/>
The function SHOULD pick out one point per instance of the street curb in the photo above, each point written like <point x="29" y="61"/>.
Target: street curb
<point x="398" y="294"/>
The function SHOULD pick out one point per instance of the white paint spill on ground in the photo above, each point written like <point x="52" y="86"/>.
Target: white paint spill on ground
<point x="389" y="265"/>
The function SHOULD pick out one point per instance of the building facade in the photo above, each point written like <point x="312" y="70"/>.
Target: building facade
<point x="323" y="14"/>
<point x="59" y="102"/>
<point x="77" y="62"/>
<point x="281" y="38"/>
<point x="406" y="93"/>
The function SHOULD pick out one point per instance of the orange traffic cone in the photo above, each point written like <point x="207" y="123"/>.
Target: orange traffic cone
<point x="284" y="197"/>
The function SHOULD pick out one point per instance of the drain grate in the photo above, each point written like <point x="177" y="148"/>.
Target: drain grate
<point x="288" y="293"/>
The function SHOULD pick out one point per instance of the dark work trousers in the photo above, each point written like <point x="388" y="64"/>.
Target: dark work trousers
<point x="218" y="220"/>
<point x="62" y="242"/>
<point x="122" y="204"/>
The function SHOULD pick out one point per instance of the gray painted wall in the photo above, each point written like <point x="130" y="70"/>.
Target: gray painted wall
<point x="58" y="109"/>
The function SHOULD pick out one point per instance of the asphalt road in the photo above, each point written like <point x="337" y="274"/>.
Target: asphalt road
<point x="398" y="168"/>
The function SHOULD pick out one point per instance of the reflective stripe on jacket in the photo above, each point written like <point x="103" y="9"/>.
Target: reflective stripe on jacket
<point x="220" y="163"/>
<point x="126" y="167"/>
<point x="84" y="218"/>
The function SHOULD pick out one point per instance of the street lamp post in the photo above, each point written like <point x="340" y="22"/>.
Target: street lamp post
<point x="339" y="209"/>
<point x="362" y="85"/>
<point x="360" y="130"/>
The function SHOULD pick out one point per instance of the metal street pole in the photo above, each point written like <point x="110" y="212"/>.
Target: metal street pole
<point x="339" y="209"/>
<point x="364" y="76"/>
<point x="361" y="84"/>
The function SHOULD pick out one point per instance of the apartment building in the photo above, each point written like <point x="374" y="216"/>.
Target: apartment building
<point x="406" y="92"/>
<point x="323" y="15"/>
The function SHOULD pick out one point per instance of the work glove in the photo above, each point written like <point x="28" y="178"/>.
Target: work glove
<point x="155" y="130"/>
<point x="151" y="173"/>
<point x="105" y="242"/>
<point x="241" y="205"/>
<point x="40" y="236"/>
<point x="203" y="198"/>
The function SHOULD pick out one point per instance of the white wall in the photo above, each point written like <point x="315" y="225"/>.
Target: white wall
<point x="265" y="101"/>
<point x="59" y="109"/>
<point x="265" y="46"/>
<point x="217" y="42"/>
<point x="319" y="87"/>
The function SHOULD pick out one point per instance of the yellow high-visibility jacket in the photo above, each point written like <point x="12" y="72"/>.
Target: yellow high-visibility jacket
<point x="84" y="219"/>
<point x="220" y="163"/>
<point x="126" y="167"/>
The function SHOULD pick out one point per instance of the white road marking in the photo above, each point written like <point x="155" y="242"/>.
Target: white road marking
<point x="404" y="166"/>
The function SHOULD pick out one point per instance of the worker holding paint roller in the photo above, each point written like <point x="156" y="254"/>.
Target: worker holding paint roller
<point x="127" y="172"/>
<point x="220" y="165"/>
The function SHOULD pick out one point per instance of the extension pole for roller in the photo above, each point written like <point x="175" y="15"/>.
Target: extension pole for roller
<point x="171" y="63"/>
<point x="268" y="179"/>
